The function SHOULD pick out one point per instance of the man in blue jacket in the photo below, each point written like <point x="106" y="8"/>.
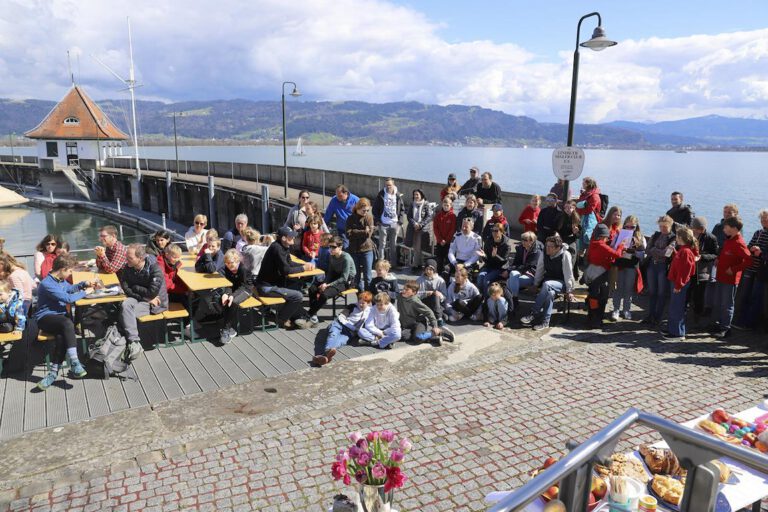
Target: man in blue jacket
<point x="340" y="207"/>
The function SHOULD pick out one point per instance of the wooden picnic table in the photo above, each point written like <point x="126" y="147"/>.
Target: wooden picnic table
<point x="108" y="279"/>
<point x="199" y="282"/>
<point x="305" y="273"/>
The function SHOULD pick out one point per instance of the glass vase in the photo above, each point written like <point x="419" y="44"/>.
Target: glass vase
<point x="373" y="498"/>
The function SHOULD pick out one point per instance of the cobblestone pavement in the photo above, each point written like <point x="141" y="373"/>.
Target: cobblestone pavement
<point x="480" y="421"/>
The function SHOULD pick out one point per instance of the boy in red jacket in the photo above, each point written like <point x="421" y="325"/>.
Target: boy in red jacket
<point x="682" y="269"/>
<point x="733" y="259"/>
<point x="602" y="255"/>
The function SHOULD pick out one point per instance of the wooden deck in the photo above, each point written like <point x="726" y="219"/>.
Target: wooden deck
<point x="163" y="374"/>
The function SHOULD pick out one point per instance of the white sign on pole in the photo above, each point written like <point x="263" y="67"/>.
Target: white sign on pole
<point x="567" y="162"/>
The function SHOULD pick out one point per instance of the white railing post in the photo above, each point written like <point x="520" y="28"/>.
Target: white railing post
<point x="118" y="206"/>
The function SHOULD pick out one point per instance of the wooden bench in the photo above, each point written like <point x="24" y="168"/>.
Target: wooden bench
<point x="148" y="319"/>
<point x="266" y="303"/>
<point x="176" y="312"/>
<point x="8" y="337"/>
<point x="345" y="295"/>
<point x="42" y="337"/>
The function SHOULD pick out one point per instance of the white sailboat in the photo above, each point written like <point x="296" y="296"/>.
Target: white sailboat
<point x="299" y="151"/>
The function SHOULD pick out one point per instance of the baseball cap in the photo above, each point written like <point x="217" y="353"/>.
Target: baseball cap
<point x="452" y="176"/>
<point x="601" y="231"/>
<point x="498" y="208"/>
<point x="474" y="169"/>
<point x="286" y="231"/>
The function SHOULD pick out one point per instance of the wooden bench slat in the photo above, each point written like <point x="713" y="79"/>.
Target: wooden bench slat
<point x="9" y="337"/>
<point x="175" y="310"/>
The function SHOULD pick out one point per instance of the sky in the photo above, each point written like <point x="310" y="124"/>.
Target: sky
<point x="674" y="59"/>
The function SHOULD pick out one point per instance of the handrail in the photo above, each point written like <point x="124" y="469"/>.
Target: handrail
<point x="695" y="450"/>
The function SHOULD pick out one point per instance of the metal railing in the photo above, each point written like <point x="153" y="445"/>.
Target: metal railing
<point x="695" y="451"/>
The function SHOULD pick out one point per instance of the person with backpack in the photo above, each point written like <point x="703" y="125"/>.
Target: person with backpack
<point x="143" y="283"/>
<point x="54" y="295"/>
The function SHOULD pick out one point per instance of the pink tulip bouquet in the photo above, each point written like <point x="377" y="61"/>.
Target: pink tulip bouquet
<point x="374" y="459"/>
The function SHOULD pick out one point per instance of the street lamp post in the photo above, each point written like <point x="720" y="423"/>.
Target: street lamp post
<point x="597" y="43"/>
<point x="13" y="156"/>
<point x="175" y="141"/>
<point x="294" y="93"/>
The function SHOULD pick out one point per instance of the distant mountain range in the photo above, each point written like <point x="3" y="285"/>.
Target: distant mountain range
<point x="356" y="122"/>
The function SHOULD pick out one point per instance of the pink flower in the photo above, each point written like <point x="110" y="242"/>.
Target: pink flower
<point x="338" y="470"/>
<point x="343" y="456"/>
<point x="364" y="458"/>
<point x="354" y="451"/>
<point x="362" y="444"/>
<point x="395" y="479"/>
<point x="379" y="471"/>
<point x="355" y="436"/>
<point x="347" y="479"/>
<point x="387" y="436"/>
<point x="405" y="445"/>
<point x="372" y="436"/>
<point x="397" y="456"/>
<point x="360" y="476"/>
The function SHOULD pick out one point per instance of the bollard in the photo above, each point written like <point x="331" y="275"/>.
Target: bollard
<point x="51" y="192"/>
<point x="118" y="206"/>
<point x="264" y="208"/>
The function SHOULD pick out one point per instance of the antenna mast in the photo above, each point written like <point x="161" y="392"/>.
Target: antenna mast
<point x="131" y="83"/>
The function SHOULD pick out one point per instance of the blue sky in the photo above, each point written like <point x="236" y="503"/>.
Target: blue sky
<point x="675" y="59"/>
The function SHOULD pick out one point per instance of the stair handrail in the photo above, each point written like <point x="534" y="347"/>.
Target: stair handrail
<point x="695" y="451"/>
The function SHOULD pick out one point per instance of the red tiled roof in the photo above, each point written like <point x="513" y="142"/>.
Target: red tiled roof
<point x="92" y="122"/>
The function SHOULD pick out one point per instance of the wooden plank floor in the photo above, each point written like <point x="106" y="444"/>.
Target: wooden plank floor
<point x="163" y="374"/>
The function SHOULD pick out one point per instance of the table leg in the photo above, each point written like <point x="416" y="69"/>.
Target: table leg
<point x="756" y="506"/>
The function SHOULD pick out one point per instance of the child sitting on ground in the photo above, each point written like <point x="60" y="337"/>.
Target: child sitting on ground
<point x="418" y="318"/>
<point x="345" y="326"/>
<point x="495" y="307"/>
<point x="463" y="298"/>
<point x="384" y="281"/>
<point x="432" y="289"/>
<point x="382" y="328"/>
<point x="12" y="315"/>
<point x="253" y="252"/>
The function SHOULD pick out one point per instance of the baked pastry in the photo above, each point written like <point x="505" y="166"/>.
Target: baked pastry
<point x="622" y="465"/>
<point x="668" y="489"/>
<point x="712" y="427"/>
<point x="725" y="471"/>
<point x="661" y="461"/>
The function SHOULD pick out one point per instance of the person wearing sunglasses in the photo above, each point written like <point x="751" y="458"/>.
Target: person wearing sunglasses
<point x="195" y="235"/>
<point x="44" y="256"/>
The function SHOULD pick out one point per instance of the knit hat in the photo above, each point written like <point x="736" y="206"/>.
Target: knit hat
<point x="431" y="263"/>
<point x="601" y="231"/>
<point x="475" y="169"/>
<point x="699" y="223"/>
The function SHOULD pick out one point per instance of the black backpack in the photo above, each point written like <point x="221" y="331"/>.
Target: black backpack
<point x="603" y="204"/>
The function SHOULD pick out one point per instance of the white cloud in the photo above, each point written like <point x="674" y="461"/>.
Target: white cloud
<point x="366" y="50"/>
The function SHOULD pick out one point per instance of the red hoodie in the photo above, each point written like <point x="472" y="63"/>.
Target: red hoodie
<point x="173" y="282"/>
<point x="529" y="213"/>
<point x="602" y="254"/>
<point x="444" y="226"/>
<point x="592" y="199"/>
<point x="734" y="256"/>
<point x="683" y="266"/>
<point x="310" y="243"/>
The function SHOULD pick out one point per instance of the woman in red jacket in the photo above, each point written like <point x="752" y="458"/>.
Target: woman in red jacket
<point x="444" y="227"/>
<point x="588" y="207"/>
<point x="683" y="267"/>
<point x="600" y="256"/>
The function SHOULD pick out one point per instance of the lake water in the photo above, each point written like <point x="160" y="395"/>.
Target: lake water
<point x="638" y="181"/>
<point x="23" y="227"/>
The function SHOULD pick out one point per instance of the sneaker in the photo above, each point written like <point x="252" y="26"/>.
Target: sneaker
<point x="320" y="360"/>
<point x="447" y="334"/>
<point x="527" y="320"/>
<point x="721" y="335"/>
<point x="134" y="350"/>
<point x="314" y="320"/>
<point x="628" y="315"/>
<point x="46" y="382"/>
<point x="541" y="326"/>
<point x="77" y="371"/>
<point x="669" y="336"/>
<point x="302" y="323"/>
<point x="436" y="341"/>
<point x="615" y="315"/>
<point x="330" y="353"/>
<point x="224" y="336"/>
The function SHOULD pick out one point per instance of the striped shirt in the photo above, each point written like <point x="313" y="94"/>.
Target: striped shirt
<point x="760" y="239"/>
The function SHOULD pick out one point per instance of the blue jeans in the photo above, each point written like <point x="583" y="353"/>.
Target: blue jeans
<point x="363" y="268"/>
<point x="724" y="298"/>
<point x="625" y="289"/>
<point x="338" y="335"/>
<point x="676" y="324"/>
<point x="658" y="290"/>
<point x="486" y="277"/>
<point x="516" y="281"/>
<point x="545" y="300"/>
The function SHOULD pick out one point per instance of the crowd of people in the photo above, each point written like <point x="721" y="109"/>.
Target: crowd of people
<point x="467" y="268"/>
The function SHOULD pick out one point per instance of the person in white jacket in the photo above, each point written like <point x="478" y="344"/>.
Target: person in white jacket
<point x="554" y="274"/>
<point x="466" y="246"/>
<point x="382" y="328"/>
<point x="195" y="235"/>
<point x="345" y="326"/>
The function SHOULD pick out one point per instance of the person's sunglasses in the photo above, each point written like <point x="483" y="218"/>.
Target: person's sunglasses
<point x="334" y="246"/>
<point x="199" y="223"/>
<point x="50" y="243"/>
